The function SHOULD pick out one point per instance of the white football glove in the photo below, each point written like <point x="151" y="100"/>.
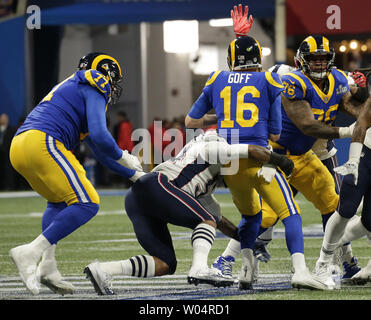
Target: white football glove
<point x="137" y="175"/>
<point x="129" y="161"/>
<point x="350" y="167"/>
<point x="268" y="172"/>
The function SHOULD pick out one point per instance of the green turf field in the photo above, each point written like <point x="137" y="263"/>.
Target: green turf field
<point x="109" y="236"/>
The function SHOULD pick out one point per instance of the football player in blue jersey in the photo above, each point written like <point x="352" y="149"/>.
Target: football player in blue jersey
<point x="247" y="106"/>
<point x="42" y="152"/>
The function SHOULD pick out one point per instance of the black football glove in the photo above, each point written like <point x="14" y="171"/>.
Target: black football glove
<point x="284" y="163"/>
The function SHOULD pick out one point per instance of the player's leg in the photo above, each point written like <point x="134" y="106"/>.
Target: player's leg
<point x="350" y="198"/>
<point x="278" y="199"/>
<point x="54" y="173"/>
<point x="247" y="201"/>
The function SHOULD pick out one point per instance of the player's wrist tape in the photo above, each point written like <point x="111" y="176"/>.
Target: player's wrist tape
<point x="345" y="132"/>
<point x="355" y="150"/>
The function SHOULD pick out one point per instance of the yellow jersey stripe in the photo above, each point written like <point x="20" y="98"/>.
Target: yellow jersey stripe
<point x="325" y="97"/>
<point x="343" y="73"/>
<point x="301" y="81"/>
<point x="273" y="82"/>
<point x="212" y="79"/>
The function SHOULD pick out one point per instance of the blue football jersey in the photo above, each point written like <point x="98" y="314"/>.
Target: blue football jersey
<point x="324" y="106"/>
<point x="62" y="112"/>
<point x="247" y="105"/>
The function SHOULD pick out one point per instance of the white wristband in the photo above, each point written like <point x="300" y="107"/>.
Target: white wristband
<point x="355" y="150"/>
<point x="345" y="132"/>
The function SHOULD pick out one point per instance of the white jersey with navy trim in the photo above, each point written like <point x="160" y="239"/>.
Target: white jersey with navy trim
<point x="196" y="169"/>
<point x="190" y="171"/>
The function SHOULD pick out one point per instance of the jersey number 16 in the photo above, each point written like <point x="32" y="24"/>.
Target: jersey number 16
<point x="241" y="106"/>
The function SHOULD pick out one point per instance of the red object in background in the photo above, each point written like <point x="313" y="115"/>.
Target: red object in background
<point x="124" y="136"/>
<point x="311" y="17"/>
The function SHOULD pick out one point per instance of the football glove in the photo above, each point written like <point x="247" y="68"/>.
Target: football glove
<point x="359" y="78"/>
<point x="350" y="167"/>
<point x="284" y="163"/>
<point x="137" y="175"/>
<point x="241" y="25"/>
<point x="267" y="171"/>
<point x="129" y="161"/>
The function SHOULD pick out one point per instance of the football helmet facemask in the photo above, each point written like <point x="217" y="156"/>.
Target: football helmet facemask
<point x="244" y="53"/>
<point x="315" y="57"/>
<point x="109" y="67"/>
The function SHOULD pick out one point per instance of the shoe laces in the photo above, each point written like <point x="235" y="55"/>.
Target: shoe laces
<point x="225" y="265"/>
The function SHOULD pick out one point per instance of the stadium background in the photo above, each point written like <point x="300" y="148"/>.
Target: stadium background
<point x="157" y="84"/>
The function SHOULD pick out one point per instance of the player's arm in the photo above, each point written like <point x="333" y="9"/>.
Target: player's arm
<point x="275" y="120"/>
<point x="300" y="113"/>
<point x="206" y="121"/>
<point x="99" y="136"/>
<point x="355" y="149"/>
<point x="221" y="152"/>
<point x="363" y="123"/>
<point x="228" y="228"/>
<point x="350" y="105"/>
<point x="197" y="117"/>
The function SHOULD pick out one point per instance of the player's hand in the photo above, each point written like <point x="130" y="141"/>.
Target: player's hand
<point x="137" y="175"/>
<point x="241" y="25"/>
<point x="350" y="167"/>
<point x="284" y="163"/>
<point x="359" y="78"/>
<point x="268" y="172"/>
<point x="129" y="161"/>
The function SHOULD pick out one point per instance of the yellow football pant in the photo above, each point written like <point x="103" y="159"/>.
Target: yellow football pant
<point x="246" y="186"/>
<point x="50" y="169"/>
<point x="310" y="177"/>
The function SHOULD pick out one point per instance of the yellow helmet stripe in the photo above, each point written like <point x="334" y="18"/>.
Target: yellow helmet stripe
<point x="100" y="58"/>
<point x="260" y="49"/>
<point x="232" y="46"/>
<point x="312" y="43"/>
<point x="326" y="44"/>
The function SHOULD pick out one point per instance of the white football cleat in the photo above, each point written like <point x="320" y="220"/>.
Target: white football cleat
<point x="304" y="279"/>
<point x="364" y="275"/>
<point x="101" y="281"/>
<point x="246" y="277"/>
<point x="210" y="276"/>
<point x="48" y="275"/>
<point x="324" y="272"/>
<point x="26" y="263"/>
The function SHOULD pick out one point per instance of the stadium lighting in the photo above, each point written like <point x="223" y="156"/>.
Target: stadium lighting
<point x="342" y="48"/>
<point x="364" y="47"/>
<point x="181" y="36"/>
<point x="353" y="45"/>
<point x="227" y="22"/>
<point x="266" y="51"/>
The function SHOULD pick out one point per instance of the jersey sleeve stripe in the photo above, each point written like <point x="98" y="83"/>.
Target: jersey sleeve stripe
<point x="301" y="81"/>
<point x="89" y="77"/>
<point x="343" y="73"/>
<point x="273" y="82"/>
<point x="212" y="79"/>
